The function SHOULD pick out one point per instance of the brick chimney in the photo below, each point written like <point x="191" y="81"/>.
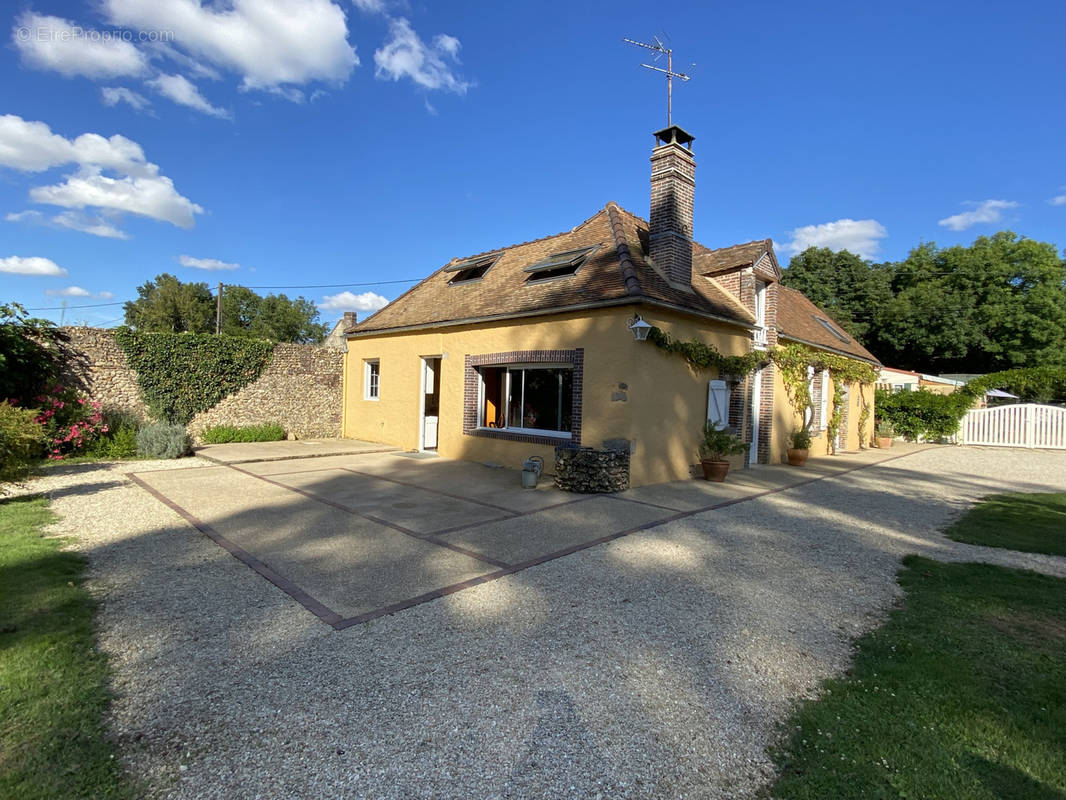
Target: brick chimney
<point x="673" y="184"/>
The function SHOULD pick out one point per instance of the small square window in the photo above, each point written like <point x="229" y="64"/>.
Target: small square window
<point x="371" y="379"/>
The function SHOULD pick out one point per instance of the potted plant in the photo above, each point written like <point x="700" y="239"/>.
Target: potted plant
<point x="885" y="432"/>
<point x="718" y="442"/>
<point x="801" y="447"/>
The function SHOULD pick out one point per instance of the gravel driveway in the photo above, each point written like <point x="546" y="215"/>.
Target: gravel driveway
<point x="657" y="665"/>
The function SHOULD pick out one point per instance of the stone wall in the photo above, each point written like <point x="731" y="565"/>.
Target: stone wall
<point x="588" y="471"/>
<point x="300" y="388"/>
<point x="103" y="370"/>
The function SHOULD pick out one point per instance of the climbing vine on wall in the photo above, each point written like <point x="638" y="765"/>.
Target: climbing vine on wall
<point x="794" y="362"/>
<point x="182" y="374"/>
<point x="702" y="356"/>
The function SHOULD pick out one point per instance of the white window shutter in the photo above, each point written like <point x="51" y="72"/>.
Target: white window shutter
<point x="718" y="403"/>
<point x="823" y="421"/>
<point x="808" y="413"/>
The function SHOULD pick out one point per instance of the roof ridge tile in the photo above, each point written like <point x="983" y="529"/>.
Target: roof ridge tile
<point x="625" y="257"/>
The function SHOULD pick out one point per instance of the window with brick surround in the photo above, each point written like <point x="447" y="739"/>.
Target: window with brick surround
<point x="528" y="398"/>
<point x="532" y="396"/>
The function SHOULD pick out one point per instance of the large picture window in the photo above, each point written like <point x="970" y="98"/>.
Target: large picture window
<point x="528" y="398"/>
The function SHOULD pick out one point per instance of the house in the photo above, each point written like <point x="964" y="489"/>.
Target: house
<point x="516" y="351"/>
<point x="898" y="380"/>
<point x="335" y="339"/>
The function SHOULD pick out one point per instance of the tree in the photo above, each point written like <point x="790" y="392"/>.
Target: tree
<point x="33" y="355"/>
<point x="997" y="304"/>
<point x="842" y="284"/>
<point x="245" y="313"/>
<point x="168" y="305"/>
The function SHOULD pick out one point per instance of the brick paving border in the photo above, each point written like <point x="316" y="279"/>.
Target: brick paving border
<point x="338" y="622"/>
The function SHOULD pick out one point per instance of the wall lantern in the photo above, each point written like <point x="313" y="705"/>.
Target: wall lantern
<point x="640" y="329"/>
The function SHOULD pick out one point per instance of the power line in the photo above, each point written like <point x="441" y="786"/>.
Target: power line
<point x="309" y="286"/>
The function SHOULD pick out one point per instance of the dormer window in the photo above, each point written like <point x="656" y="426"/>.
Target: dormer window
<point x="472" y="269"/>
<point x="830" y="327"/>
<point x="760" y="314"/>
<point x="558" y="265"/>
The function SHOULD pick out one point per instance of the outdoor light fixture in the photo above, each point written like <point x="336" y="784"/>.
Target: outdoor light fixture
<point x="640" y="329"/>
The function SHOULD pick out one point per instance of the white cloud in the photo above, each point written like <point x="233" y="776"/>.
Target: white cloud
<point x="153" y="197"/>
<point x="77" y="291"/>
<point x="74" y="220"/>
<point x="212" y="264"/>
<point x="1059" y="200"/>
<point x="269" y="42"/>
<point x="113" y="95"/>
<point x="182" y="91"/>
<point x="349" y="301"/>
<point x="987" y="211"/>
<point x="370" y="6"/>
<point x="57" y="44"/>
<point x="858" y="236"/>
<point x="34" y="265"/>
<point x="405" y="55"/>
<point x="138" y="189"/>
<point x="69" y="291"/>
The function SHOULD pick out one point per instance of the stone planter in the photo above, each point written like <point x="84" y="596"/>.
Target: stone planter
<point x="588" y="471"/>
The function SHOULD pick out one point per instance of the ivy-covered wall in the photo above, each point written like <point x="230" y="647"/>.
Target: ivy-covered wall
<point x="298" y="386"/>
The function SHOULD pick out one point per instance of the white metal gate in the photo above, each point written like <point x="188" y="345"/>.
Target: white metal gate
<point x="1019" y="425"/>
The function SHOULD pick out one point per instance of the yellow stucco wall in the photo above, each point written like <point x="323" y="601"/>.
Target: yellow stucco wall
<point x="665" y="401"/>
<point x="786" y="420"/>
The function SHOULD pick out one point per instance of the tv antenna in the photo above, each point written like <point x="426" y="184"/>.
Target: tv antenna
<point x="660" y="48"/>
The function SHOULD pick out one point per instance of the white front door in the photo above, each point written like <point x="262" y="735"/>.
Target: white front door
<point x="756" y="406"/>
<point x="430" y="405"/>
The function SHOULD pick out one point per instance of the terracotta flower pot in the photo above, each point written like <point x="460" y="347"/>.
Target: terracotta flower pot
<point x="714" y="470"/>
<point x="797" y="457"/>
<point x="884" y="442"/>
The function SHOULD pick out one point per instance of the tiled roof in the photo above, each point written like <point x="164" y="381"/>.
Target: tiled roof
<point x="797" y="319"/>
<point x="710" y="262"/>
<point x="615" y="272"/>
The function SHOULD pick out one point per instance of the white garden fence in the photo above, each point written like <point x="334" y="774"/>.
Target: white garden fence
<point x="1020" y="425"/>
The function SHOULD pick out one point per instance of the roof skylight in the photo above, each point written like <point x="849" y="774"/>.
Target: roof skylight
<point x="559" y="265"/>
<point x="832" y="329"/>
<point x="472" y="268"/>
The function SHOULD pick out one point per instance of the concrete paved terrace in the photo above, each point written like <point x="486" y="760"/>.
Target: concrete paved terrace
<point x="356" y="536"/>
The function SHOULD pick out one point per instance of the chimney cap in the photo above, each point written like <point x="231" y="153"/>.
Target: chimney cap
<point x="674" y="135"/>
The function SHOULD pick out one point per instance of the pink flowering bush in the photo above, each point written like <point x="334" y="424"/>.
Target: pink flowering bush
<point x="71" y="422"/>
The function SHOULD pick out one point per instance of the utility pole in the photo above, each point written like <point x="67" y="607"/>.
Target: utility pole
<point x="660" y="48"/>
<point x="218" y="311"/>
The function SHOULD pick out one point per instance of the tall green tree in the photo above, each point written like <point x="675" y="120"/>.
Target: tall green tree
<point x="998" y="304"/>
<point x="842" y="284"/>
<point x="165" y="304"/>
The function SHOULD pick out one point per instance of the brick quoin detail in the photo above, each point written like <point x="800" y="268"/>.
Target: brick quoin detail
<point x="576" y="358"/>
<point x="842" y="435"/>
<point x="766" y="413"/>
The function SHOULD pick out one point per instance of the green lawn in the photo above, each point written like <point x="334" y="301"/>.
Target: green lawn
<point x="1035" y="523"/>
<point x="52" y="680"/>
<point x="961" y="694"/>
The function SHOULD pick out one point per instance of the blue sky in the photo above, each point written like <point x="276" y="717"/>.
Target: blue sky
<point x="357" y="142"/>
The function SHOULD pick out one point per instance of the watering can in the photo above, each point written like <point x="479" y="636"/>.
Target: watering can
<point x="531" y="469"/>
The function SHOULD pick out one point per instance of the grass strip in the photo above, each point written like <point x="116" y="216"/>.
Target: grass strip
<point x="962" y="693"/>
<point x="1034" y="523"/>
<point x="52" y="679"/>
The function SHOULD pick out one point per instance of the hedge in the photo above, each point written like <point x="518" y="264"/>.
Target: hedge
<point x="182" y="374"/>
